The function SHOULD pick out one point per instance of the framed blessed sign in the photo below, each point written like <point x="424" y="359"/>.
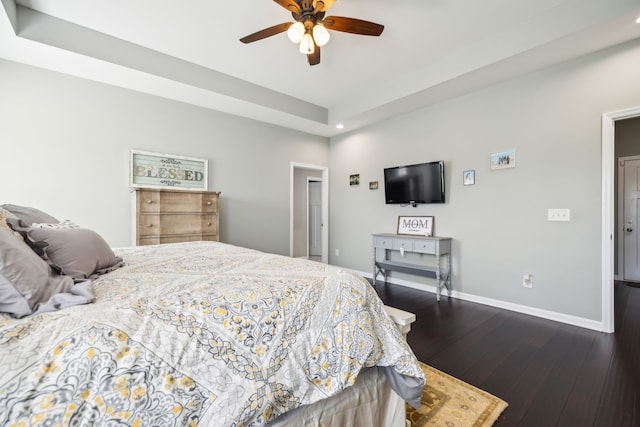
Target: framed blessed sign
<point x="155" y="170"/>
<point x="415" y="225"/>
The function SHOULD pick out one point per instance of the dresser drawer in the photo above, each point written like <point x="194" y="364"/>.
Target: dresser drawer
<point x="383" y="242"/>
<point x="424" y="246"/>
<point x="174" y="224"/>
<point x="156" y="240"/>
<point x="402" y="243"/>
<point x="209" y="204"/>
<point x="150" y="201"/>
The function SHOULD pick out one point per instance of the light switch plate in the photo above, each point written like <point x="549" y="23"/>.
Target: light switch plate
<point x="559" y="214"/>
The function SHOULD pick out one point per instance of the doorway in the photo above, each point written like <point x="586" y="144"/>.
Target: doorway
<point x="608" y="212"/>
<point x="309" y="224"/>
<point x="314" y="218"/>
<point x="628" y="217"/>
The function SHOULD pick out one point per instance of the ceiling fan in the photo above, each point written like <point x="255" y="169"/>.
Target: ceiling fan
<point x="311" y="25"/>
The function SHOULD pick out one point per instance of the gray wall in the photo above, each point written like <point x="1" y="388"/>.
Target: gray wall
<point x="65" y="145"/>
<point x="552" y="118"/>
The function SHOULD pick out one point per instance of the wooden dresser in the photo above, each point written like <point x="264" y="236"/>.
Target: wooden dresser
<point x="170" y="216"/>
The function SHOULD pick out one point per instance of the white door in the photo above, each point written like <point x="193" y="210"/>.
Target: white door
<point x="630" y="225"/>
<point x="315" y="218"/>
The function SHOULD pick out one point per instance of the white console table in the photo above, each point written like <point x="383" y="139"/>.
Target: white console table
<point x="436" y="246"/>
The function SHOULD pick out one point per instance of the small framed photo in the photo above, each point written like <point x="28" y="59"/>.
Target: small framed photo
<point x="469" y="177"/>
<point x="415" y="225"/>
<point x="354" y="179"/>
<point x="373" y="185"/>
<point x="503" y="160"/>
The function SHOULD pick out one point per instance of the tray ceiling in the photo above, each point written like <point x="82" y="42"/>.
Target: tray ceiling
<point x="430" y="50"/>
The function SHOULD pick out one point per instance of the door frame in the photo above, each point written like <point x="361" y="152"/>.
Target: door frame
<point x="325" y="206"/>
<point x="608" y="211"/>
<point x="620" y="231"/>
<point x="311" y="179"/>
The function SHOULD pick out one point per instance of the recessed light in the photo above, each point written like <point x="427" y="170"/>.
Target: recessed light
<point x="638" y="20"/>
<point x="339" y="126"/>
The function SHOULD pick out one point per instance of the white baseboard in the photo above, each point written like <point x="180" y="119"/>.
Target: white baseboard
<point x="532" y="311"/>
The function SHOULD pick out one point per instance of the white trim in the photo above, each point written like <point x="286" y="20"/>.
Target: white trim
<point x="608" y="149"/>
<point x="531" y="311"/>
<point x="307" y="219"/>
<point x="325" y="206"/>
<point x="608" y="170"/>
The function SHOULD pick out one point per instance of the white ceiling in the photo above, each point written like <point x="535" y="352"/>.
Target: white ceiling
<point x="190" y="51"/>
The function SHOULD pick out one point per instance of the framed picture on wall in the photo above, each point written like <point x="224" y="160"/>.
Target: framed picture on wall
<point x="469" y="177"/>
<point x="503" y="160"/>
<point x="156" y="170"/>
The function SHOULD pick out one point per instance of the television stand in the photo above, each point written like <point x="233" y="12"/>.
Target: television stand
<point x="384" y="244"/>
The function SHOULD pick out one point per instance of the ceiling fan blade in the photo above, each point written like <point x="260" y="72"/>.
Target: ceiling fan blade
<point x="267" y="32"/>
<point x="314" y="58"/>
<point x="290" y="5"/>
<point x="352" y="25"/>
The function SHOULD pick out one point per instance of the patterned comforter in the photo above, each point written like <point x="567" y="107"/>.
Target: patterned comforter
<point x="197" y="333"/>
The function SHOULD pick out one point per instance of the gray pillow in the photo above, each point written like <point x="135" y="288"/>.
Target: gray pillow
<point x="30" y="215"/>
<point x="5" y="216"/>
<point x="77" y="252"/>
<point x="28" y="284"/>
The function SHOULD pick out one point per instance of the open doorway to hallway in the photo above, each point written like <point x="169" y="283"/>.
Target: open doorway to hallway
<point x="627" y="155"/>
<point x="314" y="219"/>
<point x="612" y="124"/>
<point x="309" y="212"/>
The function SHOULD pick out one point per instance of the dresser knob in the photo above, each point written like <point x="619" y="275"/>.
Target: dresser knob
<point x="149" y="201"/>
<point x="209" y="224"/>
<point x="209" y="203"/>
<point x="149" y="225"/>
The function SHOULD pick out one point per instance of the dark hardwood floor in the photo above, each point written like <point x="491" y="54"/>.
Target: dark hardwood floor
<point x="550" y="374"/>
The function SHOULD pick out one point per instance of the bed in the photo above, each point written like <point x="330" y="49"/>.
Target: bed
<point x="210" y="334"/>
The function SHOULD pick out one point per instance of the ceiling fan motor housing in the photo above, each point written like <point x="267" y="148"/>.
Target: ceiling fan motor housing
<point x="309" y="14"/>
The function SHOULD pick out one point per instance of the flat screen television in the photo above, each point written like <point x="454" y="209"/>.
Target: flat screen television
<point x="415" y="184"/>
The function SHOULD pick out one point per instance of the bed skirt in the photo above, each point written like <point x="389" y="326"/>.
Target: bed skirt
<point x="369" y="403"/>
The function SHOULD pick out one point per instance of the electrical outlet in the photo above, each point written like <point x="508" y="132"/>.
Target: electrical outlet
<point x="337" y="252"/>
<point x="527" y="281"/>
<point x="559" y="214"/>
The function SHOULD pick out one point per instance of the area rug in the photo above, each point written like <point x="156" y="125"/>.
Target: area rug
<point x="447" y="401"/>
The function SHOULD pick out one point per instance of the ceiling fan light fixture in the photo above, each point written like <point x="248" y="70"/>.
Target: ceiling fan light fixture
<point x="296" y="32"/>
<point x="320" y="35"/>
<point x="310" y="27"/>
<point x="306" y="45"/>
